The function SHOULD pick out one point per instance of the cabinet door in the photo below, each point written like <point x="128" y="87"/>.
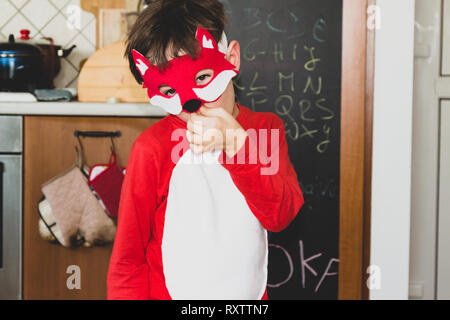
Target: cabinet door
<point x="10" y="226"/>
<point x="11" y="134"/>
<point x="443" y="245"/>
<point x="48" y="150"/>
<point x="445" y="66"/>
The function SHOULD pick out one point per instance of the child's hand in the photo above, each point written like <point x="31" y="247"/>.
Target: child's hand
<point x="214" y="129"/>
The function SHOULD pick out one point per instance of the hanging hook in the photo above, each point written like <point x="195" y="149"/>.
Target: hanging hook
<point x="83" y="157"/>
<point x="113" y="147"/>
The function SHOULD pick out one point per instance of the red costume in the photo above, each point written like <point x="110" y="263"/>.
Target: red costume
<point x="195" y="226"/>
<point x="198" y="231"/>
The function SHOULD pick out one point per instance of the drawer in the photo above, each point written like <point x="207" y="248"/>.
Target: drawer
<point x="10" y="134"/>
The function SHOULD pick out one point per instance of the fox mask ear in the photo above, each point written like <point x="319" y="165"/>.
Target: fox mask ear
<point x="142" y="64"/>
<point x="204" y="39"/>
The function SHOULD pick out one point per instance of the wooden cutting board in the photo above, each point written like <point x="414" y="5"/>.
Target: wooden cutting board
<point x="106" y="74"/>
<point x="112" y="26"/>
<point x="94" y="7"/>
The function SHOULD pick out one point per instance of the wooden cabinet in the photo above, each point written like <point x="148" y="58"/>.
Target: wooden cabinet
<point x="48" y="150"/>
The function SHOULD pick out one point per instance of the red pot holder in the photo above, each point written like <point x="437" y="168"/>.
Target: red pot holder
<point x="106" y="180"/>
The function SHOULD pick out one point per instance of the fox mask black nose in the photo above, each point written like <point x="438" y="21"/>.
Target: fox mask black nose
<point x="192" y="105"/>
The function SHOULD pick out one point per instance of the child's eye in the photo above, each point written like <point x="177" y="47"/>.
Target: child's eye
<point x="170" y="92"/>
<point x="204" y="76"/>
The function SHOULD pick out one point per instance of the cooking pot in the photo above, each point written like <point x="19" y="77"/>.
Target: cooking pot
<point x="52" y="57"/>
<point x="21" y="66"/>
<point x="26" y="65"/>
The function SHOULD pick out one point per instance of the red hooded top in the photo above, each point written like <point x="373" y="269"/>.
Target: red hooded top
<point x="191" y="229"/>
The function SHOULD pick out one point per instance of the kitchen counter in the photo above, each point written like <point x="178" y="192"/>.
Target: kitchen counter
<point x="81" y="109"/>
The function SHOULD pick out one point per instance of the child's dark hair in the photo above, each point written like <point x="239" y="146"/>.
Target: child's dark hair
<point x="173" y="22"/>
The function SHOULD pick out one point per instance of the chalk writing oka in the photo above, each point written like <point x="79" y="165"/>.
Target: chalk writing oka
<point x="306" y="267"/>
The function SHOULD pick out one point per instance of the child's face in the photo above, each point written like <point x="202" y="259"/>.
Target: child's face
<point x="226" y="100"/>
<point x="187" y="84"/>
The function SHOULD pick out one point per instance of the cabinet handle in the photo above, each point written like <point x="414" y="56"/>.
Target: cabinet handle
<point x="97" y="134"/>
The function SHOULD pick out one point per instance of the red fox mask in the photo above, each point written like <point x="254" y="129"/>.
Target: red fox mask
<point x="180" y="75"/>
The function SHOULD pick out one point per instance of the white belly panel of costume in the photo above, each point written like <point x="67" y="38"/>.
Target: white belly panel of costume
<point x="213" y="247"/>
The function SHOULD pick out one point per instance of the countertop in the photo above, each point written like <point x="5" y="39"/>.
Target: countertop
<point x="81" y="109"/>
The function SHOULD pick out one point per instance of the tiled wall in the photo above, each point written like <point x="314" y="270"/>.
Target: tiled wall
<point x="63" y="20"/>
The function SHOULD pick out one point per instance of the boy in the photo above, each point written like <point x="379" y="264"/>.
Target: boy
<point x="199" y="193"/>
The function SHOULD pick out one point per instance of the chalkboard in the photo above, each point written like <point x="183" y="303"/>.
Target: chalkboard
<point x="291" y="65"/>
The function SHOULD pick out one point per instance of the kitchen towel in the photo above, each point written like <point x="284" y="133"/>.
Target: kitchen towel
<point x="106" y="180"/>
<point x="53" y="95"/>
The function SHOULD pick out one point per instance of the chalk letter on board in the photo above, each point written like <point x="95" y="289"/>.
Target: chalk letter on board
<point x="323" y="108"/>
<point x="270" y="25"/>
<point x="323" y="146"/>
<point x="305" y="106"/>
<point x="310" y="65"/>
<point x="253" y="17"/>
<point x="291" y="266"/>
<point x="326" y="273"/>
<point x="250" y="55"/>
<point x="305" y="264"/>
<point x="308" y="132"/>
<point x="252" y="84"/>
<point x="309" y="84"/>
<point x="283" y="104"/>
<point x="278" y="52"/>
<point x="320" y="27"/>
<point x="282" y="77"/>
<point x="236" y="82"/>
<point x="254" y="102"/>
<point x="292" y="130"/>
<point x="294" y="52"/>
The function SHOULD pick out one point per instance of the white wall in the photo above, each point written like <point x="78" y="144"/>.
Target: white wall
<point x="425" y="150"/>
<point x="391" y="176"/>
<point x="429" y="87"/>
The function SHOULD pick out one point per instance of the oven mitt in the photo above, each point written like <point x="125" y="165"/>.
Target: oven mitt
<point x="48" y="228"/>
<point x="69" y="197"/>
<point x="106" y="180"/>
<point x="76" y="210"/>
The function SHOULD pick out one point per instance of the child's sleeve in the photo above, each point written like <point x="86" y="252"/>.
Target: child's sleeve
<point x="128" y="274"/>
<point x="270" y="189"/>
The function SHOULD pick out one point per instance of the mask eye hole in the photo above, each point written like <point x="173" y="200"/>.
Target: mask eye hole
<point x="167" y="91"/>
<point x="204" y="77"/>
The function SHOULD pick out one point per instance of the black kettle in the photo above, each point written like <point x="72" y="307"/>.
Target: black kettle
<point x="52" y="57"/>
<point x="21" y="66"/>
<point x="26" y="65"/>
